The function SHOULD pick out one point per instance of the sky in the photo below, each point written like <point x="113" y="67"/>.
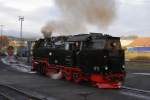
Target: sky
<point x="132" y="17"/>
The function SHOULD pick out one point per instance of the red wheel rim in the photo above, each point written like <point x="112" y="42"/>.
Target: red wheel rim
<point x="68" y="76"/>
<point x="77" y="79"/>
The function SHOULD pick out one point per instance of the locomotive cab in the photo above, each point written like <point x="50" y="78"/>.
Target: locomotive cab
<point x="97" y="53"/>
<point x="101" y="57"/>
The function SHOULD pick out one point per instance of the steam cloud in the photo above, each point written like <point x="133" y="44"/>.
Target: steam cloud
<point x="61" y="27"/>
<point x="77" y="14"/>
<point x="47" y="30"/>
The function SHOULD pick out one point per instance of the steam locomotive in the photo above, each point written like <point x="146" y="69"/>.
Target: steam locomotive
<point x="94" y="57"/>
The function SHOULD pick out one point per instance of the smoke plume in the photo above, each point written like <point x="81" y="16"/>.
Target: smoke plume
<point x="47" y="30"/>
<point x="61" y="27"/>
<point x="77" y="14"/>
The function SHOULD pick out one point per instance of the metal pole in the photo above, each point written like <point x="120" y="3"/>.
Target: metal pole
<point x="21" y="31"/>
<point x="29" y="52"/>
<point x="1" y="34"/>
<point x="21" y="19"/>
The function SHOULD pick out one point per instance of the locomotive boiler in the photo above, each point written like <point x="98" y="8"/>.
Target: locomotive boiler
<point x="94" y="57"/>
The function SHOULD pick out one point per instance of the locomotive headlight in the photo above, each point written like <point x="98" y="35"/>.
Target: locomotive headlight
<point x="105" y="56"/>
<point x="123" y="66"/>
<point x="96" y="68"/>
<point x="106" y="68"/>
<point x="93" y="68"/>
<point x="50" y="53"/>
<point x="113" y="44"/>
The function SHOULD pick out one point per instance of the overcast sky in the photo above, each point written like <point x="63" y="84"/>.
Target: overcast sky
<point x="132" y="16"/>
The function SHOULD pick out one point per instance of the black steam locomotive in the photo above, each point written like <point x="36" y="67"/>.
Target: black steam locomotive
<point x="93" y="57"/>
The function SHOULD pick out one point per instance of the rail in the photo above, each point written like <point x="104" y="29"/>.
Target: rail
<point x="139" y="93"/>
<point x="11" y="93"/>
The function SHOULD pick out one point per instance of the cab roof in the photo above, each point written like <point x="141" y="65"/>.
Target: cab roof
<point x="86" y="37"/>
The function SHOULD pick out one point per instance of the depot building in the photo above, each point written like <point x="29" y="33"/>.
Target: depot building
<point x="140" y="45"/>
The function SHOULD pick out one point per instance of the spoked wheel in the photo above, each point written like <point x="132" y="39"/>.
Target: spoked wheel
<point x="43" y="69"/>
<point x="77" y="77"/>
<point x="68" y="76"/>
<point x="40" y="69"/>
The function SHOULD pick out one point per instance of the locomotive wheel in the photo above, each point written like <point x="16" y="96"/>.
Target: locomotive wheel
<point x="40" y="69"/>
<point x="68" y="76"/>
<point x="77" y="77"/>
<point x="43" y="70"/>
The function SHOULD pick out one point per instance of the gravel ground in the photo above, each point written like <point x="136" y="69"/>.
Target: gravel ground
<point x="64" y="90"/>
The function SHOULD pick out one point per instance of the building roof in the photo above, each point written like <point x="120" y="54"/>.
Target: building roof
<point x="125" y="43"/>
<point x="140" y="42"/>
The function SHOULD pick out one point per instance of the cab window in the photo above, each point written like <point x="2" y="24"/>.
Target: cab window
<point x="95" y="44"/>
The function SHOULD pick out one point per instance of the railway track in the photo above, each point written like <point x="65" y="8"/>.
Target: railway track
<point x="134" y="89"/>
<point x="138" y="93"/>
<point x="11" y="93"/>
<point x="3" y="97"/>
